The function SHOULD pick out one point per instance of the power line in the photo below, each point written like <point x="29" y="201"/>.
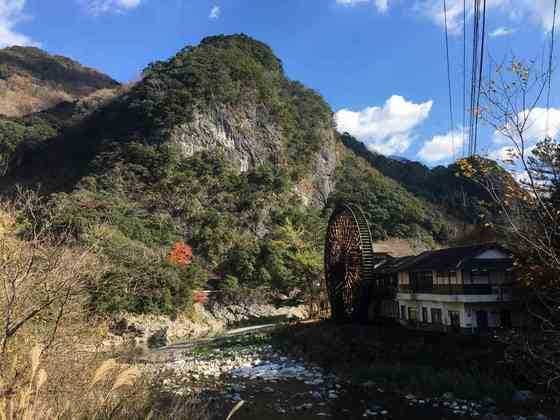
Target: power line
<point x="480" y="74"/>
<point x="464" y="73"/>
<point x="478" y="43"/>
<point x="550" y="66"/>
<point x="476" y="19"/>
<point x="452" y="124"/>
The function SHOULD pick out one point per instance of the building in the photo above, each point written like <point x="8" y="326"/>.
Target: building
<point x="464" y="288"/>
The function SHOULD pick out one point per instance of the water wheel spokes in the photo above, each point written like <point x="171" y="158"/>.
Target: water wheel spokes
<point x="348" y="263"/>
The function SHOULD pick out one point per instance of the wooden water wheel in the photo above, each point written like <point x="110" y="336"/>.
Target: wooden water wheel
<point x="348" y="263"/>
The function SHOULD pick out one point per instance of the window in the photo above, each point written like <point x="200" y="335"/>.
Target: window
<point x="455" y="319"/>
<point x="412" y="314"/>
<point x="422" y="280"/>
<point x="424" y="314"/>
<point x="480" y="277"/>
<point x="403" y="312"/>
<point x="446" y="277"/>
<point x="441" y="278"/>
<point x="436" y="315"/>
<point x="453" y="278"/>
<point x="390" y="308"/>
<point x="505" y="319"/>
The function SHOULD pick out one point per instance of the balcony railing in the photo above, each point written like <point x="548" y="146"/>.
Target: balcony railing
<point x="458" y="289"/>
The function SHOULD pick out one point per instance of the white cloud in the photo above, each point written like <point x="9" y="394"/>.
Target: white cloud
<point x="539" y="12"/>
<point x="11" y="13"/>
<point x="382" y="6"/>
<point x="351" y="2"/>
<point x="215" y="12"/>
<point x="503" y="154"/>
<point x="442" y="147"/>
<point x="98" y="7"/>
<point x="387" y="129"/>
<point x="535" y="127"/>
<point x="501" y="31"/>
<point x="433" y="9"/>
<point x="522" y="177"/>
<point x="535" y="130"/>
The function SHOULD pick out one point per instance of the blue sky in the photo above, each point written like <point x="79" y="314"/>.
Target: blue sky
<point x="378" y="63"/>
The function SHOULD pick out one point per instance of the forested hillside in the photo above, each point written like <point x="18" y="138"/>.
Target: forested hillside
<point x="32" y="80"/>
<point x="214" y="149"/>
<point x="443" y="186"/>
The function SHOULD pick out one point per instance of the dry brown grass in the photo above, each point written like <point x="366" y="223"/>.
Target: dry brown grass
<point x="27" y="400"/>
<point x="22" y="95"/>
<point x="53" y="362"/>
<point x="49" y="342"/>
<point x="399" y="247"/>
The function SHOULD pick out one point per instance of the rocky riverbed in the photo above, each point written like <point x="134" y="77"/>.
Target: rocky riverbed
<point x="274" y="386"/>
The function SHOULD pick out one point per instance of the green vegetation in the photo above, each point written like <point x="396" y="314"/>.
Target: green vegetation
<point x="238" y="225"/>
<point x="426" y="380"/>
<point x="58" y="71"/>
<point x="407" y="361"/>
<point x="114" y="181"/>
<point x="124" y="179"/>
<point x="446" y="187"/>
<point x="230" y="71"/>
<point x="15" y="133"/>
<point x="391" y="210"/>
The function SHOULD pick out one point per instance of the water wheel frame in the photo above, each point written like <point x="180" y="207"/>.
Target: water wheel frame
<point x="349" y="263"/>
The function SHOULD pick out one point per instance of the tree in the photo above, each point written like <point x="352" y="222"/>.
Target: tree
<point x="529" y="210"/>
<point x="181" y="254"/>
<point x="294" y="262"/>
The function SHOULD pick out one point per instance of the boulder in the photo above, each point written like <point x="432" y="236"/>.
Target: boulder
<point x="523" y="396"/>
<point x="448" y="396"/>
<point x="158" y="339"/>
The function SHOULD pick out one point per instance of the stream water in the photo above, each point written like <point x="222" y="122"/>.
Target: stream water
<point x="274" y="386"/>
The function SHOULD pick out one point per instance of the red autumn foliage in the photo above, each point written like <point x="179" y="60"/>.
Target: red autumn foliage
<point x="181" y="254"/>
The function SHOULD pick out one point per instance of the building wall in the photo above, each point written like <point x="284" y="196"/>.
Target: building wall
<point x="492" y="311"/>
<point x="496" y="277"/>
<point x="403" y="278"/>
<point x="467" y="312"/>
<point x="445" y="307"/>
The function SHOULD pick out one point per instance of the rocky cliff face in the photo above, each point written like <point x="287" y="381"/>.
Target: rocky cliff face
<point x="243" y="135"/>
<point x="316" y="189"/>
<point x="32" y="80"/>
<point x="248" y="138"/>
<point x="215" y="148"/>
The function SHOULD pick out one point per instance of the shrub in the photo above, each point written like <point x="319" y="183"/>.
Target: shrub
<point x="181" y="254"/>
<point x="139" y="279"/>
<point x="430" y="381"/>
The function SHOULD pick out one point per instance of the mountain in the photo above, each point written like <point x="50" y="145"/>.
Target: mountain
<point x="217" y="148"/>
<point x="443" y="186"/>
<point x="399" y="159"/>
<point x="32" y="80"/>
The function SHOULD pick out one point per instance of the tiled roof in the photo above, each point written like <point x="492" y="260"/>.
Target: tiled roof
<point x="441" y="259"/>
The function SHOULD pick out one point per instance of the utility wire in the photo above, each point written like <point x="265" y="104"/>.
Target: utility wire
<point x="464" y="74"/>
<point x="477" y="113"/>
<point x="550" y="66"/>
<point x="474" y="65"/>
<point x="452" y="124"/>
